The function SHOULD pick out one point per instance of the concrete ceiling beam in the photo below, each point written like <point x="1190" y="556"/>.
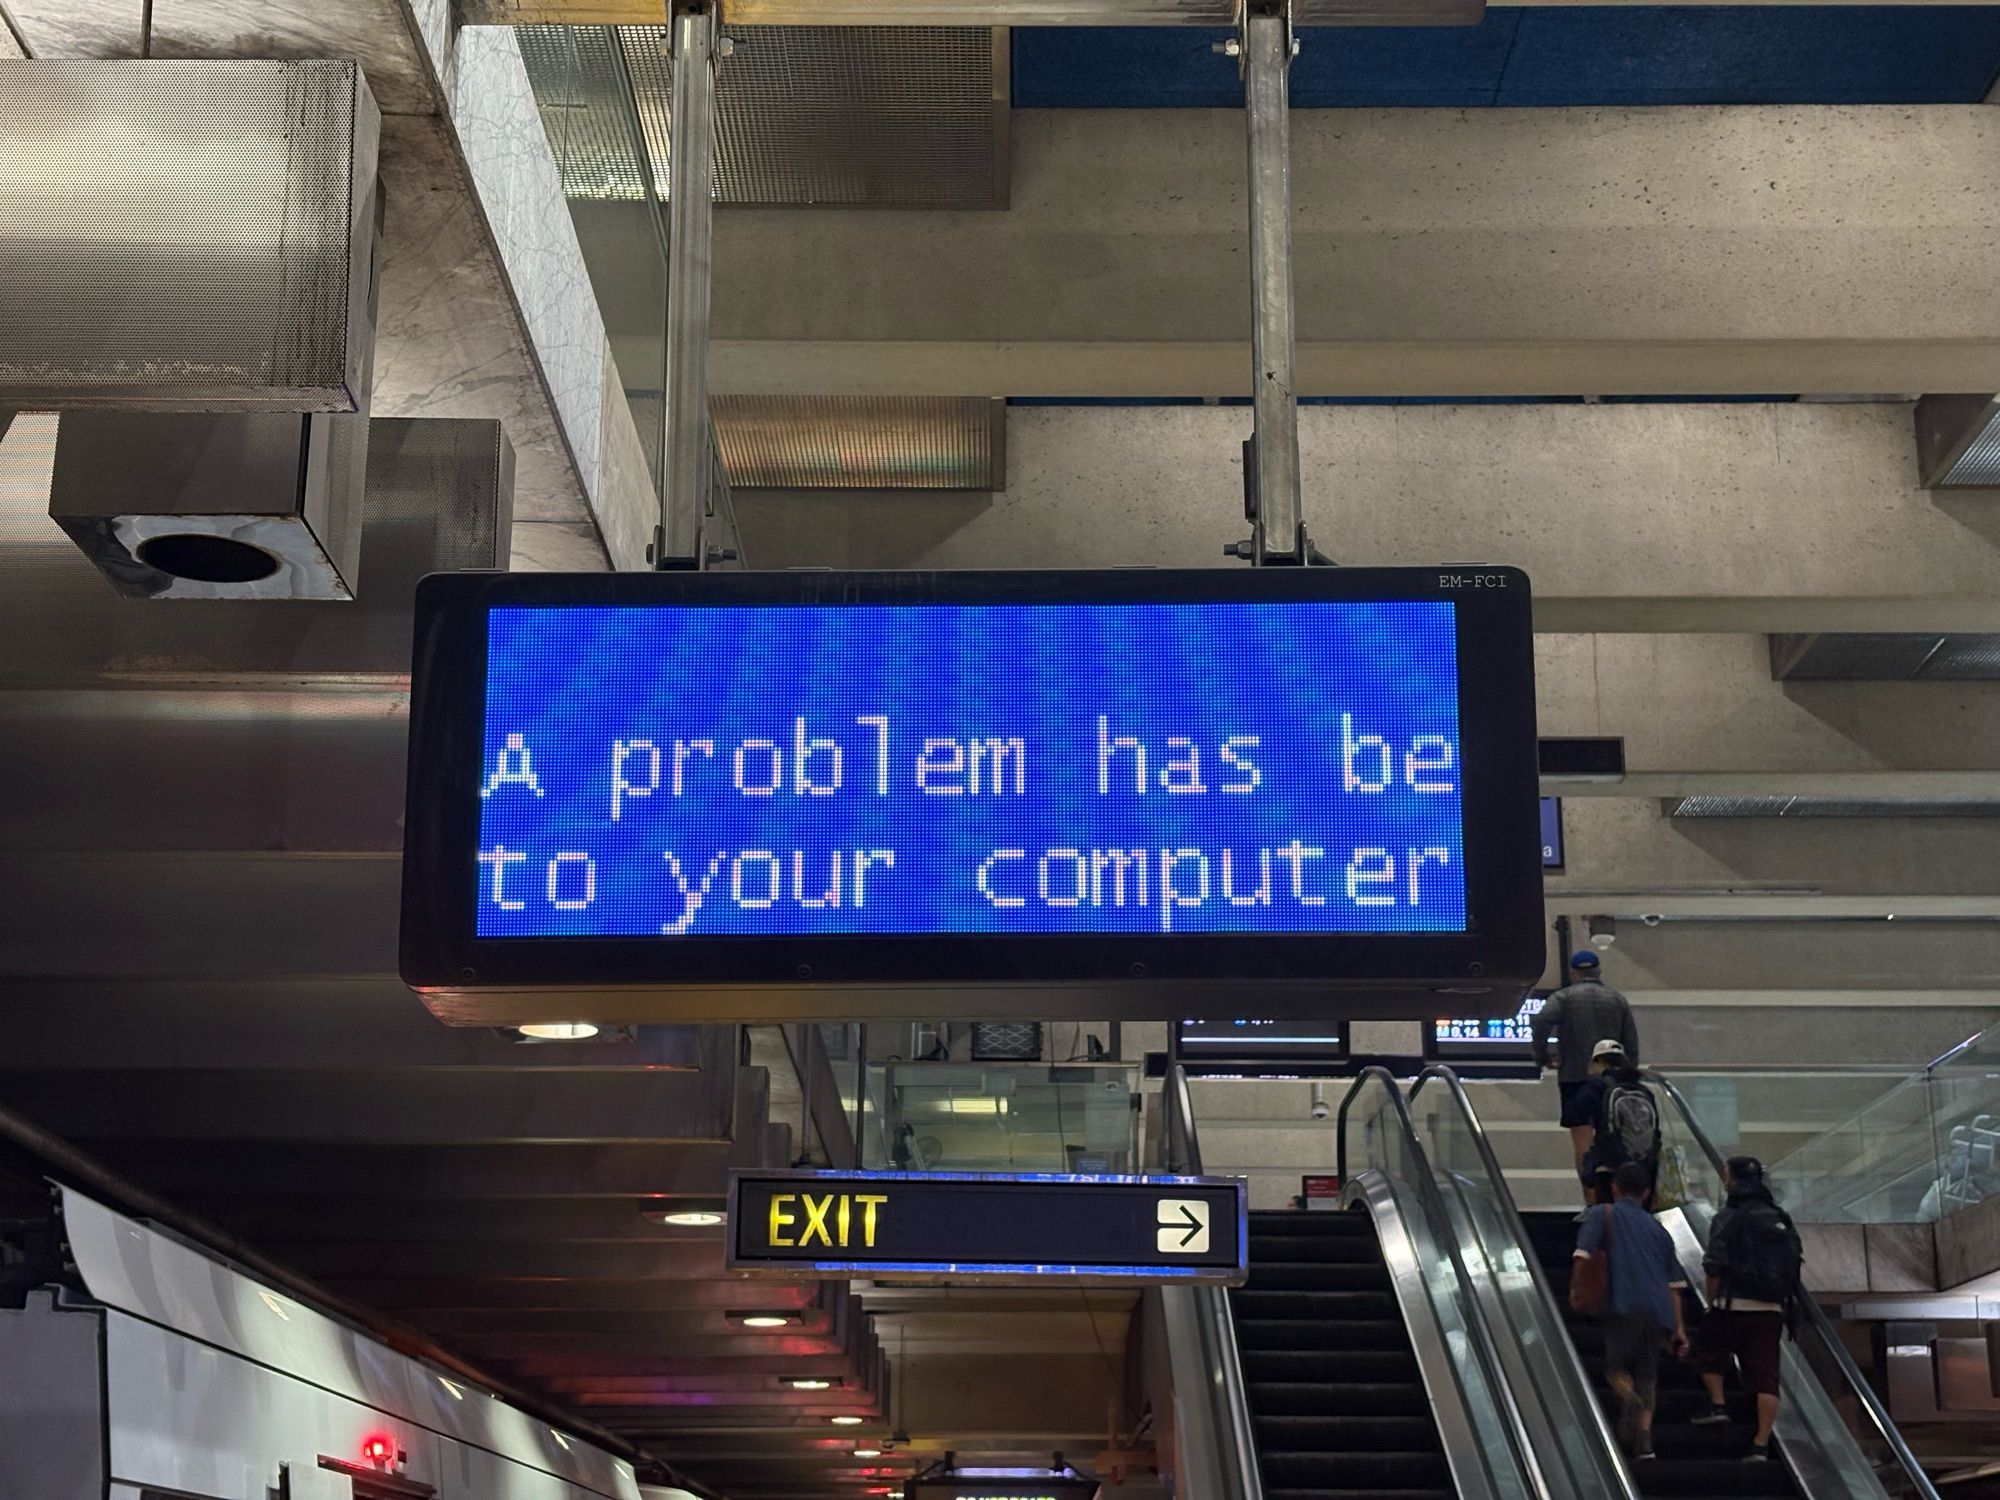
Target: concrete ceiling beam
<point x="1437" y="252"/>
<point x="1724" y="517"/>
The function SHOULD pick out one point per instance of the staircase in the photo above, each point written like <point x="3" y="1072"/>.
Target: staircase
<point x="1704" y="1461"/>
<point x="1340" y="1411"/>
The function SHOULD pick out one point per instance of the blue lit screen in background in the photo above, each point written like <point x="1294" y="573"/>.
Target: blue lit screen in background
<point x="1090" y="768"/>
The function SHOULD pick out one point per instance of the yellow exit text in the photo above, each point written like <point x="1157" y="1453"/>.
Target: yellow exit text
<point x="829" y="1220"/>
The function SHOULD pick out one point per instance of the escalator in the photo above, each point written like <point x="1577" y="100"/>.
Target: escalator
<point x="1692" y="1460"/>
<point x="1336" y="1399"/>
<point x="1418" y="1346"/>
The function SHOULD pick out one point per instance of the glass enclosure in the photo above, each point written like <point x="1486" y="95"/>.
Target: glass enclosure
<point x="1001" y="1117"/>
<point x="1870" y="1147"/>
<point x="1528" y="1327"/>
<point x="1376" y="1135"/>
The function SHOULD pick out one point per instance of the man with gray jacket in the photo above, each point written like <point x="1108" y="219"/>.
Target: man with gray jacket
<point x="1582" y="1014"/>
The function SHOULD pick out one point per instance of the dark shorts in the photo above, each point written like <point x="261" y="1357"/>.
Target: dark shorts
<point x="1633" y="1344"/>
<point x="1753" y="1337"/>
<point x="1571" y="1113"/>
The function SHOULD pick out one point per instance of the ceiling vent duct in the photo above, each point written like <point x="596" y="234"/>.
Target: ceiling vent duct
<point x="1958" y="442"/>
<point x="1833" y="807"/>
<point x="186" y="236"/>
<point x="1910" y="657"/>
<point x="862" y="442"/>
<point x="264" y="505"/>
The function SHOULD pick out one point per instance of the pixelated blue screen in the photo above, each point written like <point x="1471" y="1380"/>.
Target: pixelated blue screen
<point x="970" y="768"/>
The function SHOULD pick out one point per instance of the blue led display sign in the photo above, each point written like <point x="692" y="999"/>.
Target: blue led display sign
<point x="1137" y="793"/>
<point x="972" y="769"/>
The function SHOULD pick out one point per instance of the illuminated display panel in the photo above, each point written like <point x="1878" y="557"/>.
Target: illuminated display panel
<point x="1297" y="780"/>
<point x="1488" y="1039"/>
<point x="971" y="769"/>
<point x="1278" y="1042"/>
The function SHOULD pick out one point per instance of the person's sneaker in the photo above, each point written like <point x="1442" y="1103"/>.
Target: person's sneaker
<point x="1760" y="1453"/>
<point x="1715" y="1416"/>
<point x="1644" y="1451"/>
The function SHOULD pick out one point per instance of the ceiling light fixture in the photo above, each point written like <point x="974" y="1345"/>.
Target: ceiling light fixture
<point x="809" y="1383"/>
<point x="845" y="1421"/>
<point x="692" y="1218"/>
<point x="764" y="1320"/>
<point x="867" y="1450"/>
<point x="560" y="1031"/>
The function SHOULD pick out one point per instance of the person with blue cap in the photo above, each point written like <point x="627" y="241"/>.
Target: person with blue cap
<point x="1583" y="1014"/>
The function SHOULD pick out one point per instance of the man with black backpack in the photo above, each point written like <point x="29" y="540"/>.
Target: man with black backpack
<point x="1753" y="1262"/>
<point x="1626" y="1120"/>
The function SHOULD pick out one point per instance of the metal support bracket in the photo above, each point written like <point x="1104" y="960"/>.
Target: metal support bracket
<point x="1264" y="48"/>
<point x="697" y="527"/>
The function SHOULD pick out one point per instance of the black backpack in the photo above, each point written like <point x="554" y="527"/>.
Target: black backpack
<point x="1628" y="1126"/>
<point x="1762" y="1253"/>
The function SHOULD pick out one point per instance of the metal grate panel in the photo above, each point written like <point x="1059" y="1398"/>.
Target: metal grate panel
<point x="185" y="235"/>
<point x="1912" y="657"/>
<point x="1833" y="807"/>
<point x="862" y="442"/>
<point x="1979" y="465"/>
<point x="843" y="115"/>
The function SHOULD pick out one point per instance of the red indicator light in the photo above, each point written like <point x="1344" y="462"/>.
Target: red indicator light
<point x="378" y="1450"/>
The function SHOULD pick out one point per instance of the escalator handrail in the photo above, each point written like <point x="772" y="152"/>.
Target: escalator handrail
<point x="1864" y="1393"/>
<point x="1242" y="1478"/>
<point x="1433" y="1204"/>
<point x="1517" y="1227"/>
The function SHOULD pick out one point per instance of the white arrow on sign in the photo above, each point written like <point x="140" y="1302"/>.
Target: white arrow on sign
<point x="1183" y="1226"/>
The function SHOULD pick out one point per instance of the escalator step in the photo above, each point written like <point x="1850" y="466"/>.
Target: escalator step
<point x="1308" y="1366"/>
<point x="1317" y="1276"/>
<point x="1318" y="1221"/>
<point x="1373" y="1433"/>
<point x="1412" y="1470"/>
<point x="1259" y="1303"/>
<point x="1336" y="1336"/>
<point x="1351" y="1494"/>
<point x="1340" y="1250"/>
<point x="1337" y="1399"/>
<point x="1717" y="1479"/>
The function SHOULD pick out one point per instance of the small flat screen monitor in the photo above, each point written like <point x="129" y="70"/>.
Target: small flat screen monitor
<point x="1552" y="833"/>
<point x="1108" y="794"/>
<point x="1486" y="1039"/>
<point x="1262" y="1047"/>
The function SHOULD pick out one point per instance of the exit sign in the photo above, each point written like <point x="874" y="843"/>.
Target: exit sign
<point x="961" y="1226"/>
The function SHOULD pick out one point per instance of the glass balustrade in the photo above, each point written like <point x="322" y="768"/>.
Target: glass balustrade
<point x="1001" y="1117"/>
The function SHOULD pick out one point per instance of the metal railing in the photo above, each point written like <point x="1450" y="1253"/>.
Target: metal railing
<point x="1855" y="1386"/>
<point x="1202" y="1343"/>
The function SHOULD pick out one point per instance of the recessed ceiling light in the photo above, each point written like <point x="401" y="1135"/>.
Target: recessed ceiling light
<point x="867" y="1450"/>
<point x="765" y="1320"/>
<point x="692" y="1218"/>
<point x="560" y="1031"/>
<point x="845" y="1421"/>
<point x="809" y="1383"/>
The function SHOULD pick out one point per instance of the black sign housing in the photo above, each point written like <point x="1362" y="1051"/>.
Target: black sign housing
<point x="469" y="980"/>
<point x="952" y="1226"/>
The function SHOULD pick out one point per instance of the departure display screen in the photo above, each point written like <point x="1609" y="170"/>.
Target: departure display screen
<point x="1161" y="794"/>
<point x="1488" y="1038"/>
<point x="971" y="769"/>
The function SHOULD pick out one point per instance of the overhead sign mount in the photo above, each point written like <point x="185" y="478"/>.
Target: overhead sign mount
<point x="953" y="1226"/>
